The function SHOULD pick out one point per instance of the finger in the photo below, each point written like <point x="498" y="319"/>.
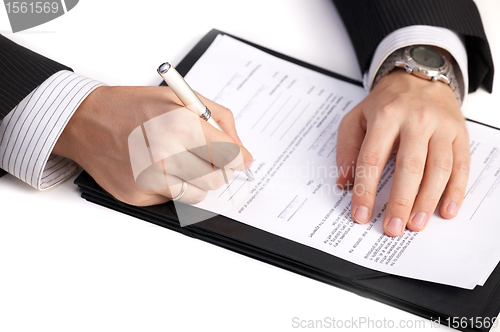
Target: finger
<point x="157" y="186"/>
<point x="180" y="130"/>
<point x="373" y="156"/>
<point x="172" y="188"/>
<point x="224" y="118"/>
<point x="349" y="141"/>
<point x="223" y="153"/>
<point x="437" y="173"/>
<point x="410" y="162"/>
<point x="192" y="195"/>
<point x="455" y="190"/>
<point x="197" y="171"/>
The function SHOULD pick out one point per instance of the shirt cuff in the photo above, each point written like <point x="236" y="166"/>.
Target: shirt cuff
<point x="30" y="131"/>
<point x="421" y="35"/>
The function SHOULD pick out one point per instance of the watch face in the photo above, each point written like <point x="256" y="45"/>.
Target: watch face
<point x="427" y="56"/>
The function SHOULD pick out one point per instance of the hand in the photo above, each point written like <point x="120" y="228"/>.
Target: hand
<point x="421" y="121"/>
<point x="97" y="138"/>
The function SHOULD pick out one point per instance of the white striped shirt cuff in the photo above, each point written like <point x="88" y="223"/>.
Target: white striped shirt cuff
<point x="30" y="131"/>
<point x="423" y="35"/>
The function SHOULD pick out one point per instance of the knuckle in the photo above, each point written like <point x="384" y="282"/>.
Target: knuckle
<point x="411" y="165"/>
<point x="346" y="152"/>
<point x="428" y="199"/>
<point x="462" y="167"/>
<point x="222" y="113"/>
<point x="446" y="122"/>
<point x="444" y="165"/>
<point x="364" y="194"/>
<point x="370" y="158"/>
<point x="463" y="130"/>
<point x="387" y="111"/>
<point x="228" y="113"/>
<point x="456" y="191"/>
<point x="423" y="115"/>
<point x="402" y="203"/>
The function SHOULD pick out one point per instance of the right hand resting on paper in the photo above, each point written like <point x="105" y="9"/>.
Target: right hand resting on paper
<point x="421" y="121"/>
<point x="97" y="138"/>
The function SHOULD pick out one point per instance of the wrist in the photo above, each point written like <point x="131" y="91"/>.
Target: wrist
<point x="425" y="62"/>
<point x="424" y="92"/>
<point x="80" y="132"/>
<point x="418" y="35"/>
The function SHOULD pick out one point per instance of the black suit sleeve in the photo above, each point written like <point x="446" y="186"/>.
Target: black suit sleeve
<point x="369" y="21"/>
<point x="21" y="71"/>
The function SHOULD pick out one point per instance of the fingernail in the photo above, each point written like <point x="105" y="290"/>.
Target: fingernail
<point x="361" y="215"/>
<point x="344" y="169"/>
<point x="395" y="226"/>
<point x="452" y="208"/>
<point x="419" y="219"/>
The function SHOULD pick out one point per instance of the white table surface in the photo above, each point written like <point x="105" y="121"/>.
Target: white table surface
<point x="69" y="265"/>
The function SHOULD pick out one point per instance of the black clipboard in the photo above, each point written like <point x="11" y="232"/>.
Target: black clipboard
<point x="466" y="310"/>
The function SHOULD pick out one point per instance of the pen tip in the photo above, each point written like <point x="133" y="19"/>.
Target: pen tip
<point x="250" y="175"/>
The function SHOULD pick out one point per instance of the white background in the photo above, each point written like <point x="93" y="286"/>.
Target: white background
<point x="69" y="265"/>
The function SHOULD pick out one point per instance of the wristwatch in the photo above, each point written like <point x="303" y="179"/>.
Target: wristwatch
<point x="424" y="62"/>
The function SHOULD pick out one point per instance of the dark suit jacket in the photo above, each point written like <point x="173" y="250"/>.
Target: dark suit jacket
<point x="367" y="21"/>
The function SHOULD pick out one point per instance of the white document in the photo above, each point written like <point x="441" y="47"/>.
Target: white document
<point x="287" y="116"/>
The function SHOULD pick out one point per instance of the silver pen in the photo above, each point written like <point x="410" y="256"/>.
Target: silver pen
<point x="187" y="96"/>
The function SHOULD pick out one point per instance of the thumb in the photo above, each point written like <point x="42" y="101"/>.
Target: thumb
<point x="350" y="137"/>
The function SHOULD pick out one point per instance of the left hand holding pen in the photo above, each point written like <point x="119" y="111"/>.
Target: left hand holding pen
<point x="421" y="121"/>
<point x="97" y="138"/>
